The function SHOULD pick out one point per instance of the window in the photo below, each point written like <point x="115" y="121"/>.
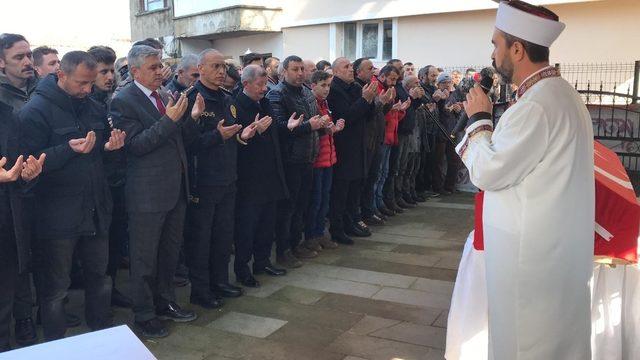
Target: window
<point x="150" y="5"/>
<point x="349" y="49"/>
<point x="370" y="39"/>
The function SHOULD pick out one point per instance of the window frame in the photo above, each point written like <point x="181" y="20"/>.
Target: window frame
<point x="380" y="44"/>
<point x="144" y="10"/>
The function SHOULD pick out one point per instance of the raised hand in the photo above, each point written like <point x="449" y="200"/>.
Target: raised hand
<point x="32" y="167"/>
<point x="198" y="107"/>
<point x="262" y="124"/>
<point x="116" y="140"/>
<point x="405" y="105"/>
<point x="340" y="125"/>
<point x="166" y="73"/>
<point x="397" y="105"/>
<point x="294" y="122"/>
<point x="175" y="109"/>
<point x="317" y="122"/>
<point x="228" y="131"/>
<point x="83" y="145"/>
<point x="12" y="174"/>
<point x="477" y="101"/>
<point x="370" y="91"/>
<point x="249" y="132"/>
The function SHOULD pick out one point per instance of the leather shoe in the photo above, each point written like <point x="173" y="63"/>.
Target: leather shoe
<point x="377" y="213"/>
<point x="249" y="281"/>
<point x="356" y="231"/>
<point x="342" y="238"/>
<point x="152" y="328"/>
<point x="120" y="300"/>
<point x="373" y="220"/>
<point x="386" y="211"/>
<point x="26" y="332"/>
<point x="288" y="260"/>
<point x="270" y="270"/>
<point x="360" y="225"/>
<point x="302" y="252"/>
<point x="226" y="290"/>
<point x="403" y="204"/>
<point x="207" y="302"/>
<point x="175" y="313"/>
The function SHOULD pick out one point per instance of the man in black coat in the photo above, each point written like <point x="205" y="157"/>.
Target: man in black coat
<point x="261" y="181"/>
<point x="212" y="168"/>
<point x="299" y="149"/>
<point x="348" y="101"/>
<point x="15" y="225"/>
<point x="73" y="204"/>
<point x="156" y="190"/>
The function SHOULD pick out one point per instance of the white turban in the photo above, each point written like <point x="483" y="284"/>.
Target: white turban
<point x="529" y="27"/>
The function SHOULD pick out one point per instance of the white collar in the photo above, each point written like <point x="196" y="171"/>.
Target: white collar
<point x="144" y="89"/>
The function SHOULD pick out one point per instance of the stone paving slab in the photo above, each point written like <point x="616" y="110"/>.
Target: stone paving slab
<point x="378" y="349"/>
<point x="357" y="275"/>
<point x="370" y="324"/>
<point x="414" y="297"/>
<point x="298" y="295"/>
<point x="396" y="268"/>
<point x="414" y="334"/>
<point x="247" y="324"/>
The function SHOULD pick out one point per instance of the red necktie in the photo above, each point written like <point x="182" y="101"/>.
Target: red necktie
<point x="159" y="103"/>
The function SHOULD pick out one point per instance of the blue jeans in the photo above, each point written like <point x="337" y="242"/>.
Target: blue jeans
<point x="319" y="204"/>
<point x="383" y="172"/>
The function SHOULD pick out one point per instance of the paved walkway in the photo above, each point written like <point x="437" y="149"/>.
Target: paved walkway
<point x="387" y="297"/>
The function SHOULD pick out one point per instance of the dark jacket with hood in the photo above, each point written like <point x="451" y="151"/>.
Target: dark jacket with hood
<point x="300" y="145"/>
<point x="72" y="195"/>
<point x="14" y="97"/>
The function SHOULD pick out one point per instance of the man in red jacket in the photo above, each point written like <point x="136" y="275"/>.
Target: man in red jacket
<point x="315" y="238"/>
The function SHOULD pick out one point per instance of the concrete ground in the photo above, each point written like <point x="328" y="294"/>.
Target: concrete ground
<point x="386" y="297"/>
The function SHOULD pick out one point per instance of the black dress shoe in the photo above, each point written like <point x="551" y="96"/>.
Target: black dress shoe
<point x="360" y="225"/>
<point x="249" y="281"/>
<point x="356" y="231"/>
<point x="403" y="204"/>
<point x="377" y="213"/>
<point x="373" y="220"/>
<point x="386" y="211"/>
<point x="409" y="200"/>
<point x="175" y="313"/>
<point x="207" y="302"/>
<point x="120" y="300"/>
<point x="26" y="332"/>
<point x="270" y="270"/>
<point x="342" y="238"/>
<point x="153" y="328"/>
<point x="227" y="290"/>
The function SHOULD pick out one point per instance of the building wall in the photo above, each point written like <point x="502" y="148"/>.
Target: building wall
<point x="262" y="43"/>
<point x="596" y="32"/>
<point x="155" y="24"/>
<point x="308" y="42"/>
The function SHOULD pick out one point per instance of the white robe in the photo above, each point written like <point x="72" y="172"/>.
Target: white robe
<point x="615" y="311"/>
<point x="539" y="208"/>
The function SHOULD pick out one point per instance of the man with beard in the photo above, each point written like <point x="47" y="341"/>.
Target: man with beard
<point x="186" y="74"/>
<point x="536" y="168"/>
<point x="45" y="61"/>
<point x="271" y="66"/>
<point x="73" y="207"/>
<point x="17" y="83"/>
<point x="428" y="131"/>
<point x="115" y="168"/>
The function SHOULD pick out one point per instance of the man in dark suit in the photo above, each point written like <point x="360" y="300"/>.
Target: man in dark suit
<point x="348" y="101"/>
<point x="261" y="180"/>
<point x="15" y="226"/>
<point x="73" y="204"/>
<point x="156" y="190"/>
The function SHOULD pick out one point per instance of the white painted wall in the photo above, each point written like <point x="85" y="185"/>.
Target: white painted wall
<point x="193" y="46"/>
<point x="308" y="42"/>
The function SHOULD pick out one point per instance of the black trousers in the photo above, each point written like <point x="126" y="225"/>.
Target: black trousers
<point x="424" y="178"/>
<point x="368" y="184"/>
<point x="255" y="226"/>
<point x="154" y="242"/>
<point x="209" y="237"/>
<point x="118" y="233"/>
<point x="290" y="215"/>
<point x="54" y="259"/>
<point x="8" y="274"/>
<point x="409" y="179"/>
<point x="344" y="204"/>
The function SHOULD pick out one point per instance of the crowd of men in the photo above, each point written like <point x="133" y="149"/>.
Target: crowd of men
<point x="110" y="161"/>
